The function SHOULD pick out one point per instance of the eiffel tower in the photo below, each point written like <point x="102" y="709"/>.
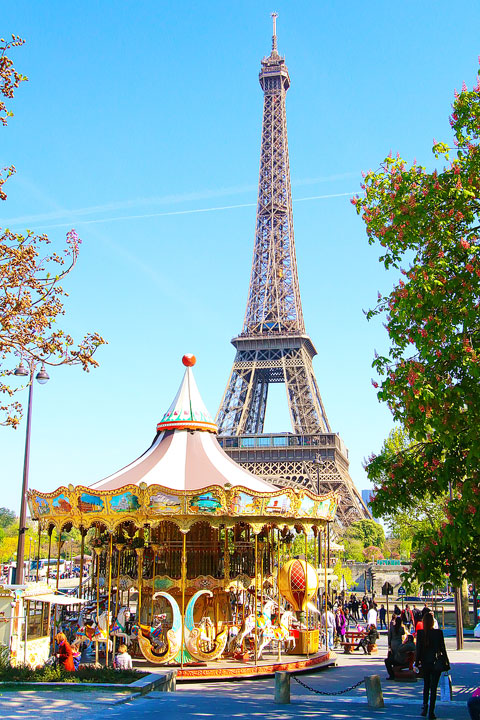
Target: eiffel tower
<point x="273" y="346"/>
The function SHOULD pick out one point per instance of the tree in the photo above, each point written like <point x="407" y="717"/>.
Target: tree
<point x="427" y="224"/>
<point x="372" y="553"/>
<point x="342" y="571"/>
<point x="353" y="549"/>
<point x="368" y="532"/>
<point x="31" y="296"/>
<point x="7" y="517"/>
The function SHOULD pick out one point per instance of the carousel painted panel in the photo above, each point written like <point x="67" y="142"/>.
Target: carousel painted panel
<point x="307" y="507"/>
<point x="124" y="502"/>
<point x="61" y="504"/>
<point x="244" y="503"/>
<point x="327" y="508"/>
<point x="278" y="505"/>
<point x="207" y="502"/>
<point x="41" y="506"/>
<point x="89" y="503"/>
<point x="162" y="502"/>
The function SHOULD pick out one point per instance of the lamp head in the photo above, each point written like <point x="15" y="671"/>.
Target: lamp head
<point x="21" y="370"/>
<point x="42" y="376"/>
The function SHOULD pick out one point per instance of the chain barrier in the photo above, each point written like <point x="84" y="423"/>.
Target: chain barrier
<point x="322" y="692"/>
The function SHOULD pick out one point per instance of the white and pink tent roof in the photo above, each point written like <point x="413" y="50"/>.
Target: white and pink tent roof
<point x="185" y="454"/>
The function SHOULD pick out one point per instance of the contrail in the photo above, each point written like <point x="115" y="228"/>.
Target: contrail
<point x="191" y="211"/>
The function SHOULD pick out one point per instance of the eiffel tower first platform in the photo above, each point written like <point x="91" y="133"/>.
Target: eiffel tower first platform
<point x="273" y="346"/>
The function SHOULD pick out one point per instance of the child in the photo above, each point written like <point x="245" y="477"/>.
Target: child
<point x="123" y="661"/>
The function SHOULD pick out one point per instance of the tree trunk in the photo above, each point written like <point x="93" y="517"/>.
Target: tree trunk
<point x="465" y="610"/>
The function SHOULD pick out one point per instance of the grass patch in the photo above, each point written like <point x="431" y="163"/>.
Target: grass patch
<point x="48" y="673"/>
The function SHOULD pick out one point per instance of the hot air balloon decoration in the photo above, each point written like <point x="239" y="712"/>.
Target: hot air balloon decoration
<point x="298" y="583"/>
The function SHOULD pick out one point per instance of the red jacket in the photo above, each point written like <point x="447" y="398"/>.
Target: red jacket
<point x="65" y="655"/>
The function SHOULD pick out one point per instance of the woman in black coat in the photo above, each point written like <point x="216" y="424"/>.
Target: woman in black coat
<point x="429" y="654"/>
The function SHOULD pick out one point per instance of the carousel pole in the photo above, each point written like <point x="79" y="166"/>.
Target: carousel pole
<point x="110" y="558"/>
<point x="328" y="546"/>
<point x="262" y="555"/>
<point x="58" y="563"/>
<point x="326" y="596"/>
<point x="279" y="647"/>
<point x="139" y="552"/>
<point x="119" y="548"/>
<point x="184" y="579"/>
<point x="256" y="593"/>
<point x="38" y="553"/>
<point x="50" y="533"/>
<point x="82" y="553"/>
<point x="154" y="548"/>
<point x="317" y="546"/>
<point x="306" y="591"/>
<point x="97" y="553"/>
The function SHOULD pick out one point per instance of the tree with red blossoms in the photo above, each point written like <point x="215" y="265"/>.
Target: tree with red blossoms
<point x="428" y="227"/>
<point x="31" y="296"/>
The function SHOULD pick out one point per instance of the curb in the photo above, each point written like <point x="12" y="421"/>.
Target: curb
<point x="162" y="682"/>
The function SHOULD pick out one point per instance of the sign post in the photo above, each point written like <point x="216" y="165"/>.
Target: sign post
<point x="387" y="589"/>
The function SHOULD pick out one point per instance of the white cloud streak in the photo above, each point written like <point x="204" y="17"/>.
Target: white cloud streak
<point x="76" y="221"/>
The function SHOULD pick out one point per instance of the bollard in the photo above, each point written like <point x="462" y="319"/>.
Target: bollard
<point x="282" y="688"/>
<point x="373" y="687"/>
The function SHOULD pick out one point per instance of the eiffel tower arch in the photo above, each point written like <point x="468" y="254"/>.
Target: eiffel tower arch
<point x="273" y="346"/>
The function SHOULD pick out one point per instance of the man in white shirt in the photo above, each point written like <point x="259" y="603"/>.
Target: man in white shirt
<point x="330" y="622"/>
<point x="372" y="615"/>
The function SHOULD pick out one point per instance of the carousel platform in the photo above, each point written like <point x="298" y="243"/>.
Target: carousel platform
<point x="225" y="669"/>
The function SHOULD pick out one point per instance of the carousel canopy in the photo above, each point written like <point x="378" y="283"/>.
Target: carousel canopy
<point x="185" y="454"/>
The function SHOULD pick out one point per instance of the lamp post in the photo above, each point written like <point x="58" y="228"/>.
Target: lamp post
<point x="42" y="377"/>
<point x="457" y="597"/>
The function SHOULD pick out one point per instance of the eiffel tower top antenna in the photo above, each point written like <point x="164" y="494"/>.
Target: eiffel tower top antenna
<point x="274" y="36"/>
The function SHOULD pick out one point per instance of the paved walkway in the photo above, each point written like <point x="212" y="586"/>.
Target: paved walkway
<point x="253" y="699"/>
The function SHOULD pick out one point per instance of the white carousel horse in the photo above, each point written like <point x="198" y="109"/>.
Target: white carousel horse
<point x="264" y="620"/>
<point x="119" y="626"/>
<point x="279" y="634"/>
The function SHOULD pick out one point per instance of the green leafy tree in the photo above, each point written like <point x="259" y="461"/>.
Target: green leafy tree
<point x="427" y="226"/>
<point x="342" y="571"/>
<point x="7" y="517"/>
<point x="368" y="532"/>
<point x="353" y="549"/>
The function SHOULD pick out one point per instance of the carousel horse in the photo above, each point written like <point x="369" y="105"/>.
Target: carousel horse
<point x="94" y="634"/>
<point x="119" y="627"/>
<point x="263" y="621"/>
<point x="174" y="636"/>
<point x="196" y="637"/>
<point x="279" y="634"/>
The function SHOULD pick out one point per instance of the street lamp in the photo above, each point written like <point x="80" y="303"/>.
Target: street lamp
<point x="42" y="377"/>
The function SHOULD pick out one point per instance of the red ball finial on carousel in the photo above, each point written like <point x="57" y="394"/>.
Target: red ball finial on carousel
<point x="189" y="360"/>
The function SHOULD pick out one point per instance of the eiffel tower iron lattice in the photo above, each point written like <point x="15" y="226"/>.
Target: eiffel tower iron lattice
<point x="273" y="346"/>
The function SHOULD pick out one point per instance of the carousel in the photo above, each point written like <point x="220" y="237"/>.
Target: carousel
<point x="197" y="563"/>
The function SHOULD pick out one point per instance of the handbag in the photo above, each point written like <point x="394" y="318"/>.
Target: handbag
<point x="441" y="663"/>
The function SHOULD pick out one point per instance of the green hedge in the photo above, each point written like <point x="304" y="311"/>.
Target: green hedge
<point x="49" y="673"/>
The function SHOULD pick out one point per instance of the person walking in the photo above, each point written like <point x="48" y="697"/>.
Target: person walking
<point x="431" y="656"/>
<point x="340" y="625"/>
<point x="382" y="616"/>
<point x="372" y="614"/>
<point x="330" y="622"/>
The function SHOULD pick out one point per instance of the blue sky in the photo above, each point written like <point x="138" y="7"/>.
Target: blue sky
<point x="140" y="127"/>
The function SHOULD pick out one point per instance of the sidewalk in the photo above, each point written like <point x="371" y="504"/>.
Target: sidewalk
<point x="253" y="699"/>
